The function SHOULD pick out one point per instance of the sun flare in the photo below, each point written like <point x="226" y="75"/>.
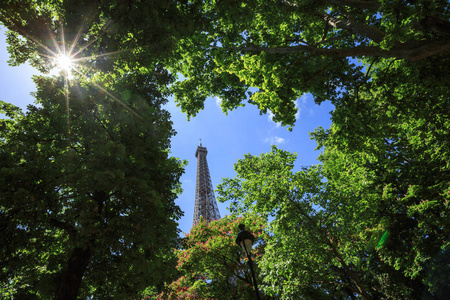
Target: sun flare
<point x="64" y="63"/>
<point x="68" y="61"/>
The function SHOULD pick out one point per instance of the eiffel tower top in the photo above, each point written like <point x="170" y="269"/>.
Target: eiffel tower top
<point x="203" y="149"/>
<point x="205" y="200"/>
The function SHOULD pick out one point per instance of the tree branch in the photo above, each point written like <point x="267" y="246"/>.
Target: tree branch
<point x="354" y="27"/>
<point x="412" y="50"/>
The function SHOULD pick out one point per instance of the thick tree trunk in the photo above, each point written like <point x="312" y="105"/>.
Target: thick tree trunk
<point x="71" y="277"/>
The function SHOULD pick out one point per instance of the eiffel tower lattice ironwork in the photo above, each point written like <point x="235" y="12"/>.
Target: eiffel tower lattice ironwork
<point x="205" y="201"/>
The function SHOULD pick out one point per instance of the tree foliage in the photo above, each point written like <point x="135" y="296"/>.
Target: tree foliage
<point x="212" y="266"/>
<point x="87" y="191"/>
<point x="397" y="133"/>
<point x="269" y="53"/>
<point x="385" y="159"/>
<point x="327" y="229"/>
<point x="131" y="30"/>
<point x="87" y="186"/>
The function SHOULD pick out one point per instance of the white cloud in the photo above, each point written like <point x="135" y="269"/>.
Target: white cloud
<point x="303" y="98"/>
<point x="275" y="140"/>
<point x="218" y="101"/>
<point x="297" y="114"/>
<point x="300" y="104"/>
<point x="270" y="118"/>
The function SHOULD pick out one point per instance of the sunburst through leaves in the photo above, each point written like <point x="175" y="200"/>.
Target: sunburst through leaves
<point x="64" y="63"/>
<point x="68" y="62"/>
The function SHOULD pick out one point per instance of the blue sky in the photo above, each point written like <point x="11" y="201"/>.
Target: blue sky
<point x="227" y="138"/>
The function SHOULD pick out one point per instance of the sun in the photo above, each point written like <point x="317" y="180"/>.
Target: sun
<point x="64" y="63"/>
<point x="67" y="61"/>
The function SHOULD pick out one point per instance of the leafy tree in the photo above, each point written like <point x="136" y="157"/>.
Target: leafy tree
<point x="87" y="190"/>
<point x="275" y="51"/>
<point x="212" y="266"/>
<point x="87" y="187"/>
<point x="397" y="131"/>
<point x="135" y="32"/>
<point x="399" y="138"/>
<point x="326" y="235"/>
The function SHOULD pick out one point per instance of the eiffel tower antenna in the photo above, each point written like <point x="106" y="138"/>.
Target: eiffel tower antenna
<point x="205" y="201"/>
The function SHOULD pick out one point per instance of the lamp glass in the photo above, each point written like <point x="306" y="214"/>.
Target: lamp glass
<point x="247" y="246"/>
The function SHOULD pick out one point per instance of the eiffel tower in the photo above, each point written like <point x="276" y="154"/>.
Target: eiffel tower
<point x="205" y="201"/>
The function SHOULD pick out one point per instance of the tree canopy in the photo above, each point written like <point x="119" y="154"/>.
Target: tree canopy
<point x="337" y="232"/>
<point x="87" y="186"/>
<point x="93" y="29"/>
<point x="87" y="192"/>
<point x="269" y="53"/>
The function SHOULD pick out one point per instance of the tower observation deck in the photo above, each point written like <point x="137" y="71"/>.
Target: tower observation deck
<point x="205" y="201"/>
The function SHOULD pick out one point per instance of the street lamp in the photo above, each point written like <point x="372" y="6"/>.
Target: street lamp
<point x="245" y="239"/>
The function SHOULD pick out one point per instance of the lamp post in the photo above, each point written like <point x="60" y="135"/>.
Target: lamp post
<point x="245" y="240"/>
